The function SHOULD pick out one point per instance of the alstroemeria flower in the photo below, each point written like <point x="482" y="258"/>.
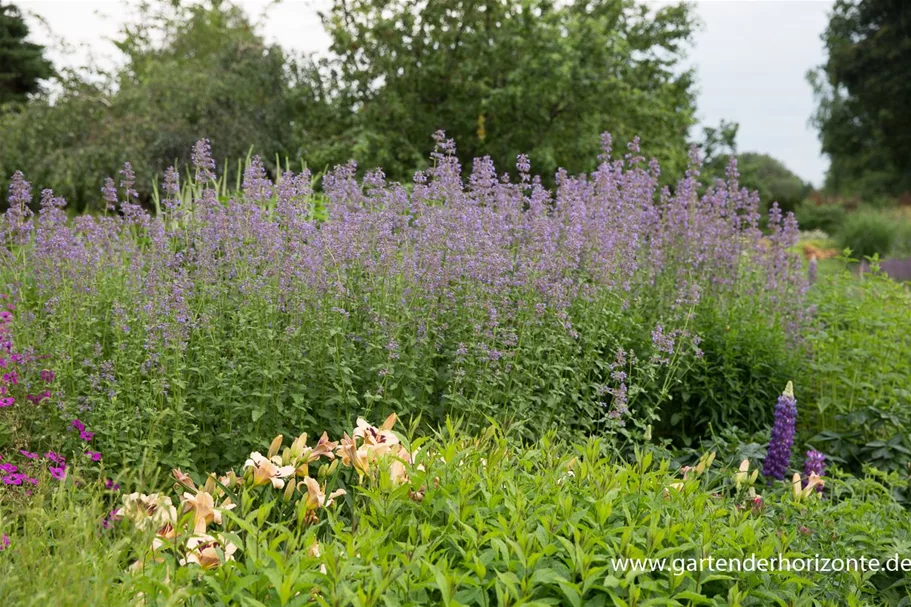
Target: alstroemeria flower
<point x="268" y="470"/>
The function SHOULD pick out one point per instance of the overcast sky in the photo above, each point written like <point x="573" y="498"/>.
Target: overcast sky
<point x="751" y="58"/>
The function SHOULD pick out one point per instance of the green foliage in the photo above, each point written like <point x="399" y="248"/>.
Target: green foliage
<point x="504" y="78"/>
<point x="22" y="63"/>
<point x="867" y="232"/>
<point x="735" y="382"/>
<point x="190" y="71"/>
<point x="856" y="383"/>
<point x="812" y="215"/>
<point x="495" y="524"/>
<point x="863" y="91"/>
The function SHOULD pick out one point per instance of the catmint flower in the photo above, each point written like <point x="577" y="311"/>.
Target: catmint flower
<point x="779" y="453"/>
<point x="814" y="464"/>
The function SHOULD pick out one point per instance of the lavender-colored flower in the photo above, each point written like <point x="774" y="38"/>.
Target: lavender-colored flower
<point x="779" y="454"/>
<point x="814" y="464"/>
<point x="203" y="161"/>
<point x="4" y="542"/>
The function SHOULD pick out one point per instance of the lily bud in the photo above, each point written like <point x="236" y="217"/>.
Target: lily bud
<point x="289" y="490"/>
<point x="275" y="446"/>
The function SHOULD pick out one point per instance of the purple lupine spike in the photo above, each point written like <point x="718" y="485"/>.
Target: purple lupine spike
<point x="779" y="454"/>
<point x="814" y="464"/>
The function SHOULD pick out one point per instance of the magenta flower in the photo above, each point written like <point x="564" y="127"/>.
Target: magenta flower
<point x="58" y="473"/>
<point x="13" y="479"/>
<point x="4" y="542"/>
<point x="111" y="485"/>
<point x="95" y="455"/>
<point x="28" y="454"/>
<point x="47" y="376"/>
<point x="7" y="401"/>
<point x="78" y="425"/>
<point x="55" y="457"/>
<point x="86" y="436"/>
<point x="8" y="468"/>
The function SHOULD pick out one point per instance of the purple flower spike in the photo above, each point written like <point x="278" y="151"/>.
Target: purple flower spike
<point x="779" y="454"/>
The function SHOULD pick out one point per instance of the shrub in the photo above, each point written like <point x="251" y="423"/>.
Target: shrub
<point x="218" y="323"/>
<point x="867" y="233"/>
<point x="827" y="217"/>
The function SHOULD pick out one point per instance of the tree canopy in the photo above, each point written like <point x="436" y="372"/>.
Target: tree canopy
<point x="864" y="92"/>
<point x="22" y="63"/>
<point x="502" y="77"/>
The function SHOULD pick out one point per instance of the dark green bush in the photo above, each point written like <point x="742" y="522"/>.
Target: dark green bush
<point x="867" y="233"/>
<point x="814" y="216"/>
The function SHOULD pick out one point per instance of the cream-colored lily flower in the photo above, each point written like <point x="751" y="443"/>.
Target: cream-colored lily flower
<point x="203" y="550"/>
<point x="800" y="492"/>
<point x="301" y="456"/>
<point x="316" y="496"/>
<point x="351" y="455"/>
<point x="204" y="511"/>
<point x="153" y="511"/>
<point x="377" y="437"/>
<point x="267" y="470"/>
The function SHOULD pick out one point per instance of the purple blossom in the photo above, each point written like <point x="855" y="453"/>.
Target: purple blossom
<point x="28" y="454"/>
<point x="779" y="453"/>
<point x="814" y="464"/>
<point x="47" y="376"/>
<point x="58" y="472"/>
<point x="7" y="401"/>
<point x="4" y="542"/>
<point x="95" y="456"/>
<point x="8" y="468"/>
<point x="78" y="425"/>
<point x="86" y="435"/>
<point x="55" y="457"/>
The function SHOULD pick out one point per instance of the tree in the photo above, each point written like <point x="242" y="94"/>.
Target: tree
<point x="504" y="77"/>
<point x="864" y="92"/>
<point x="191" y="71"/>
<point x="22" y="64"/>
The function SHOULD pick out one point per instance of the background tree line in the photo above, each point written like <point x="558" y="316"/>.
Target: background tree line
<point x="502" y="77"/>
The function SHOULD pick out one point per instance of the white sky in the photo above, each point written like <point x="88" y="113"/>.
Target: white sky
<point x="751" y="57"/>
